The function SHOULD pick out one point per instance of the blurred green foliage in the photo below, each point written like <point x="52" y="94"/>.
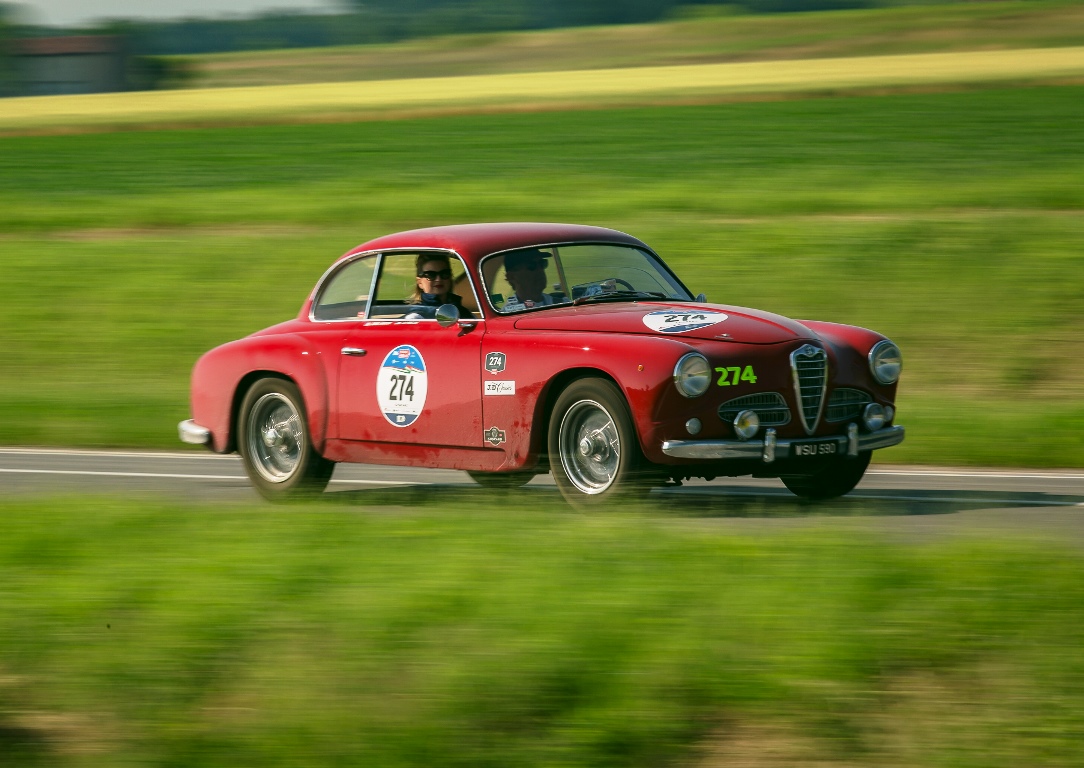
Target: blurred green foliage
<point x="372" y="22"/>
<point x="149" y="633"/>
<point x="950" y="222"/>
<point x="690" y="39"/>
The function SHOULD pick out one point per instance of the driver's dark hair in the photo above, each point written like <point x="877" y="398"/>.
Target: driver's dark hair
<point x="416" y="297"/>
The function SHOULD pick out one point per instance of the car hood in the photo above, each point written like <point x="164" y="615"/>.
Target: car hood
<point x="717" y="322"/>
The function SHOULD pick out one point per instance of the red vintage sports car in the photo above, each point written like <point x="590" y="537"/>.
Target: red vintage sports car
<point x="509" y="350"/>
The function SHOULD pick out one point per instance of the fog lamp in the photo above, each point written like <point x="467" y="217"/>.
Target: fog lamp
<point x="746" y="424"/>
<point x="692" y="426"/>
<point x="890" y="413"/>
<point x="874" y="416"/>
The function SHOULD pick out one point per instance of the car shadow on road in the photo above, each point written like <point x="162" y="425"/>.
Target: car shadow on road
<point x="738" y="501"/>
<point x="705" y="501"/>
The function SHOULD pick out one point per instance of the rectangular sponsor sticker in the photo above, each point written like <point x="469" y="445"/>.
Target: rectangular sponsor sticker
<point x="500" y="387"/>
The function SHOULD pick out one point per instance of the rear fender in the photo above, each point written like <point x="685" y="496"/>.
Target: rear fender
<point x="221" y="378"/>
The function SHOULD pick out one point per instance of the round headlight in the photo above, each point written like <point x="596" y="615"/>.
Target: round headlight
<point x="874" y="416"/>
<point x="692" y="375"/>
<point x="746" y="424"/>
<point x="885" y="362"/>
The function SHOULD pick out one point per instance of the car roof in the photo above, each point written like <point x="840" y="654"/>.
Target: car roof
<point x="473" y="241"/>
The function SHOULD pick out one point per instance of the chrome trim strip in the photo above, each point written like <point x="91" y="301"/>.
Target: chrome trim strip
<point x="882" y="438"/>
<point x="191" y="432"/>
<point x="353" y="351"/>
<point x="852" y="440"/>
<point x="735" y="449"/>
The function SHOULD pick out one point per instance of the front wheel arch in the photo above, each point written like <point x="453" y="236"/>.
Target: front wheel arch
<point x="593" y="448"/>
<point x="555" y="387"/>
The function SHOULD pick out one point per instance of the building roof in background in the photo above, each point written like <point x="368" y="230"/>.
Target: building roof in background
<point x="53" y="46"/>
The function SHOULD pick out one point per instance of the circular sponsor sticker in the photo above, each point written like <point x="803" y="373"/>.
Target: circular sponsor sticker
<point x="401" y="385"/>
<point x="682" y="320"/>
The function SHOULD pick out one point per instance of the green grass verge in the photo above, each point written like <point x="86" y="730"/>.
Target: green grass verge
<point x="950" y="222"/>
<point x="705" y="39"/>
<point x="150" y="633"/>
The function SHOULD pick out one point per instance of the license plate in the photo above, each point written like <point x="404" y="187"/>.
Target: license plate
<point x="811" y="448"/>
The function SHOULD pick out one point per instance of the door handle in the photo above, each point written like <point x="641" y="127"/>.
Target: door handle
<point x="353" y="351"/>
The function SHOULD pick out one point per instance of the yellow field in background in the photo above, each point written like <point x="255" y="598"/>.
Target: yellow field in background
<point x="359" y="100"/>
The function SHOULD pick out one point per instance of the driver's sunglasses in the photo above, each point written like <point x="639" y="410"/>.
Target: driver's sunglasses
<point x="433" y="274"/>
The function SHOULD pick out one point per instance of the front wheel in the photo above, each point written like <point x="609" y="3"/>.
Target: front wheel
<point x="833" y="479"/>
<point x="275" y="444"/>
<point x="594" y="453"/>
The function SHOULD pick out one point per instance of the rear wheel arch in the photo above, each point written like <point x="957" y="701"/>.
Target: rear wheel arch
<point x="239" y="392"/>
<point x="274" y="440"/>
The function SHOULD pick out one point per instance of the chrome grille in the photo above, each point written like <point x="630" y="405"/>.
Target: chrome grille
<point x="770" y="408"/>
<point x="810" y="366"/>
<point x="846" y="404"/>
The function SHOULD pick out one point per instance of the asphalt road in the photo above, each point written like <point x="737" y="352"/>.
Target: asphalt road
<point x="910" y="501"/>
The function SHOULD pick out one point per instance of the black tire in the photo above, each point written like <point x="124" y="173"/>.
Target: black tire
<point x="501" y="481"/>
<point x="594" y="453"/>
<point x="833" y="479"/>
<point x="275" y="445"/>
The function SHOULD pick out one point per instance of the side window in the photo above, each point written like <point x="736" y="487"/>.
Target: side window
<point x="398" y="293"/>
<point x="347" y="291"/>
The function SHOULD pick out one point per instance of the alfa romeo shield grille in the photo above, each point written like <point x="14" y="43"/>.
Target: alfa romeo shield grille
<point x="810" y="366"/>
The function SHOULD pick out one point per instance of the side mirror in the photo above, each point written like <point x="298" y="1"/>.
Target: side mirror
<point x="701" y="298"/>
<point x="447" y="315"/>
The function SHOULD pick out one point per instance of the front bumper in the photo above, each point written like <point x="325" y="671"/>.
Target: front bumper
<point x="769" y="449"/>
<point x="193" y="433"/>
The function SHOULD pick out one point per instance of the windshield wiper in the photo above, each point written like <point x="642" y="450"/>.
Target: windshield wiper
<point x="620" y="296"/>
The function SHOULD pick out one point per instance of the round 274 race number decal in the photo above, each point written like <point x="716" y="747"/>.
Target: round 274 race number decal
<point x="401" y="386"/>
<point x="682" y="320"/>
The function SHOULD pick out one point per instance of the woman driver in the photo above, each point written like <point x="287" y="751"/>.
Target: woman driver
<point x="434" y="283"/>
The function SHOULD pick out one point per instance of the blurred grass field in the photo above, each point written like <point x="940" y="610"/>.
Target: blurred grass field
<point x="950" y="222"/>
<point x="139" y="632"/>
<point x="533" y="91"/>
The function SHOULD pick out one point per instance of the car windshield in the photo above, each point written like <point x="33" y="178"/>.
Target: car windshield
<point x="544" y="276"/>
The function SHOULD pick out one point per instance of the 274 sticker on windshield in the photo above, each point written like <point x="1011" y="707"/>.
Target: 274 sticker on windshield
<point x="402" y="385"/>
<point x="676" y="321"/>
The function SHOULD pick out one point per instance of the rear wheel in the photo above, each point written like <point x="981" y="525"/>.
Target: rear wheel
<point x="275" y="444"/>
<point x="501" y="480"/>
<point x="836" y="478"/>
<point x="594" y="453"/>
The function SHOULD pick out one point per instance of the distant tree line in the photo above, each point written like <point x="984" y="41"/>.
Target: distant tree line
<point x="378" y="21"/>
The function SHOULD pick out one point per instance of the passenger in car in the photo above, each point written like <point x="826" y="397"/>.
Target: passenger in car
<point x="433" y="286"/>
<point x="526" y="273"/>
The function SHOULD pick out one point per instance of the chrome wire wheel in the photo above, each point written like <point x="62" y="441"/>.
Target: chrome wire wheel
<point x="590" y="446"/>
<point x="275" y="443"/>
<point x="276" y="437"/>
